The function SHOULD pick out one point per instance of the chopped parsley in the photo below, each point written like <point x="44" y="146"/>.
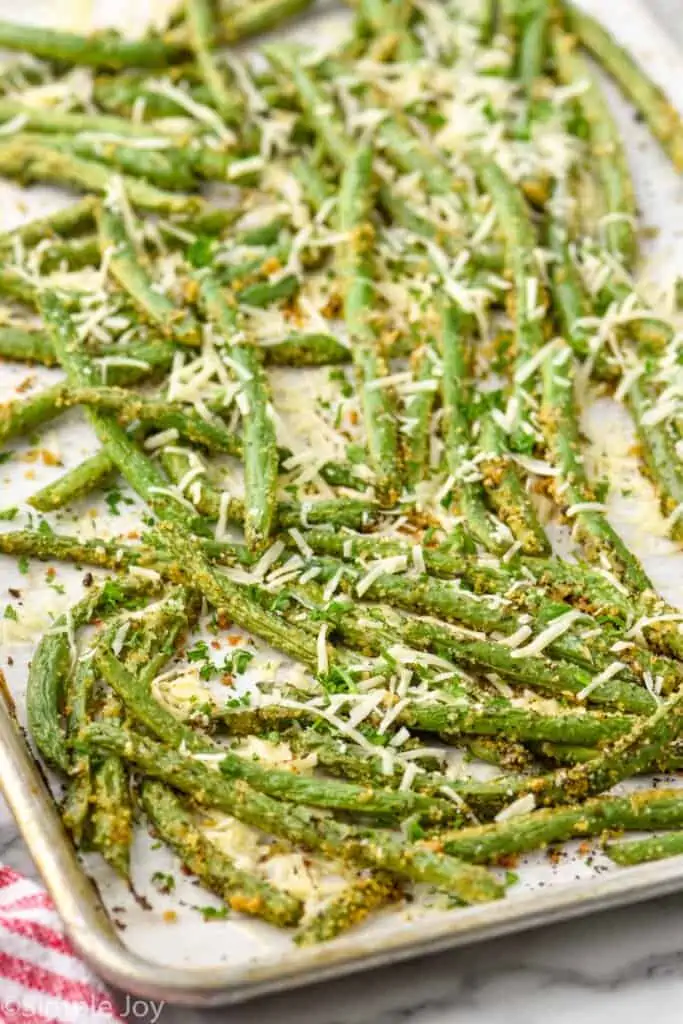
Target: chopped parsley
<point x="235" y="663"/>
<point x="162" y="882"/>
<point x="238" y="662"/>
<point x="214" y="913"/>
<point x="239" y="702"/>
<point x="113" y="498"/>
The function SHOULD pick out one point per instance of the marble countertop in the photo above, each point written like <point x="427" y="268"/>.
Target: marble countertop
<point x="624" y="965"/>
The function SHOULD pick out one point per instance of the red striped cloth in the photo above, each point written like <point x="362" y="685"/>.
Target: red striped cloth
<point x="42" y="980"/>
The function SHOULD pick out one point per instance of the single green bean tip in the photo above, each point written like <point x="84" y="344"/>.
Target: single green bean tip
<point x="641" y="851"/>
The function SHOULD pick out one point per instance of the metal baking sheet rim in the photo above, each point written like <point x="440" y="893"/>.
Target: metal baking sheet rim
<point x="96" y="939"/>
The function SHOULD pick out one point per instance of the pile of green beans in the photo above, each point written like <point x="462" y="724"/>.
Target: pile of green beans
<point x="447" y="296"/>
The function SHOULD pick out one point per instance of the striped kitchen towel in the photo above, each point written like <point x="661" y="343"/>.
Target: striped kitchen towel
<point x="42" y="980"/>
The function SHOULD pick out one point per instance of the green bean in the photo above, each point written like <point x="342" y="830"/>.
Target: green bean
<point x="267" y="293"/>
<point x="125" y="266"/>
<point x="243" y="891"/>
<point x="166" y="168"/>
<point x="561" y="678"/>
<point x="144" y="708"/>
<point x="564" y="754"/>
<point x="103" y="49"/>
<point x="34" y="161"/>
<point x="516" y="724"/>
<point x="348" y="909"/>
<point x="563" y="580"/>
<point x="70" y="255"/>
<point x="117" y="554"/>
<point x="78" y="123"/>
<point x="412" y="156"/>
<point x="149" y="642"/>
<point x="135" y="91"/>
<point x="303" y="350"/>
<point x="78" y="796"/>
<point x="319" y="111"/>
<point x="561" y="431"/>
<point x="314" y="185"/>
<point x="469" y="493"/>
<point x="131" y="408"/>
<point x="520" y="242"/>
<point x="23" y="72"/>
<point x="64" y="222"/>
<point x="642" y="851"/>
<point x="83" y="789"/>
<point x="367" y="847"/>
<point x="259" y="16"/>
<point x="427" y="595"/>
<point x="142" y="474"/>
<point x="486" y="638"/>
<point x="663" y="119"/>
<point x="75" y="484"/>
<point x="389" y="23"/>
<point x="200" y="24"/>
<point x="340" y="758"/>
<point x="605" y="146"/>
<point x="233" y="600"/>
<point x="21" y="416"/>
<point x="52" y="662"/>
<point x="571" y="304"/>
<point x="112" y="815"/>
<point x="630" y="754"/>
<point x="417" y="412"/>
<point x="533" y="17"/>
<point x="506" y="492"/>
<point x="490" y="21"/>
<point x="356" y="270"/>
<point x="653" y="808"/>
<point x="299" y="790"/>
<point x="31" y="345"/>
<point x="372" y="632"/>
<point x="259" y="442"/>
<point x="330" y="793"/>
<point x="658" y="452"/>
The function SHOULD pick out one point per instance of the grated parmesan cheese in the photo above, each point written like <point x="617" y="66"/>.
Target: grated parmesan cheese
<point x="556" y="629"/>
<point x="392" y="564"/>
<point x="524" y="805"/>
<point x="321" y="648"/>
<point x="603" y="677"/>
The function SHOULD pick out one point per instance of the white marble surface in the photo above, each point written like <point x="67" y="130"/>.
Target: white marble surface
<point x="625" y="966"/>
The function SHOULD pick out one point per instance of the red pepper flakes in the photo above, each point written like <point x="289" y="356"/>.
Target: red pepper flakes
<point x="26" y="383"/>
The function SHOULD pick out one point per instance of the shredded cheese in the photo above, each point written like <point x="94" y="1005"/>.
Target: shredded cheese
<point x="552" y="632"/>
<point x="524" y="805"/>
<point x="390" y="565"/>
<point x="603" y="677"/>
<point x="321" y="647"/>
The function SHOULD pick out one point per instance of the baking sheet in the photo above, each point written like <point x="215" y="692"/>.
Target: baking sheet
<point x="238" y="947"/>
